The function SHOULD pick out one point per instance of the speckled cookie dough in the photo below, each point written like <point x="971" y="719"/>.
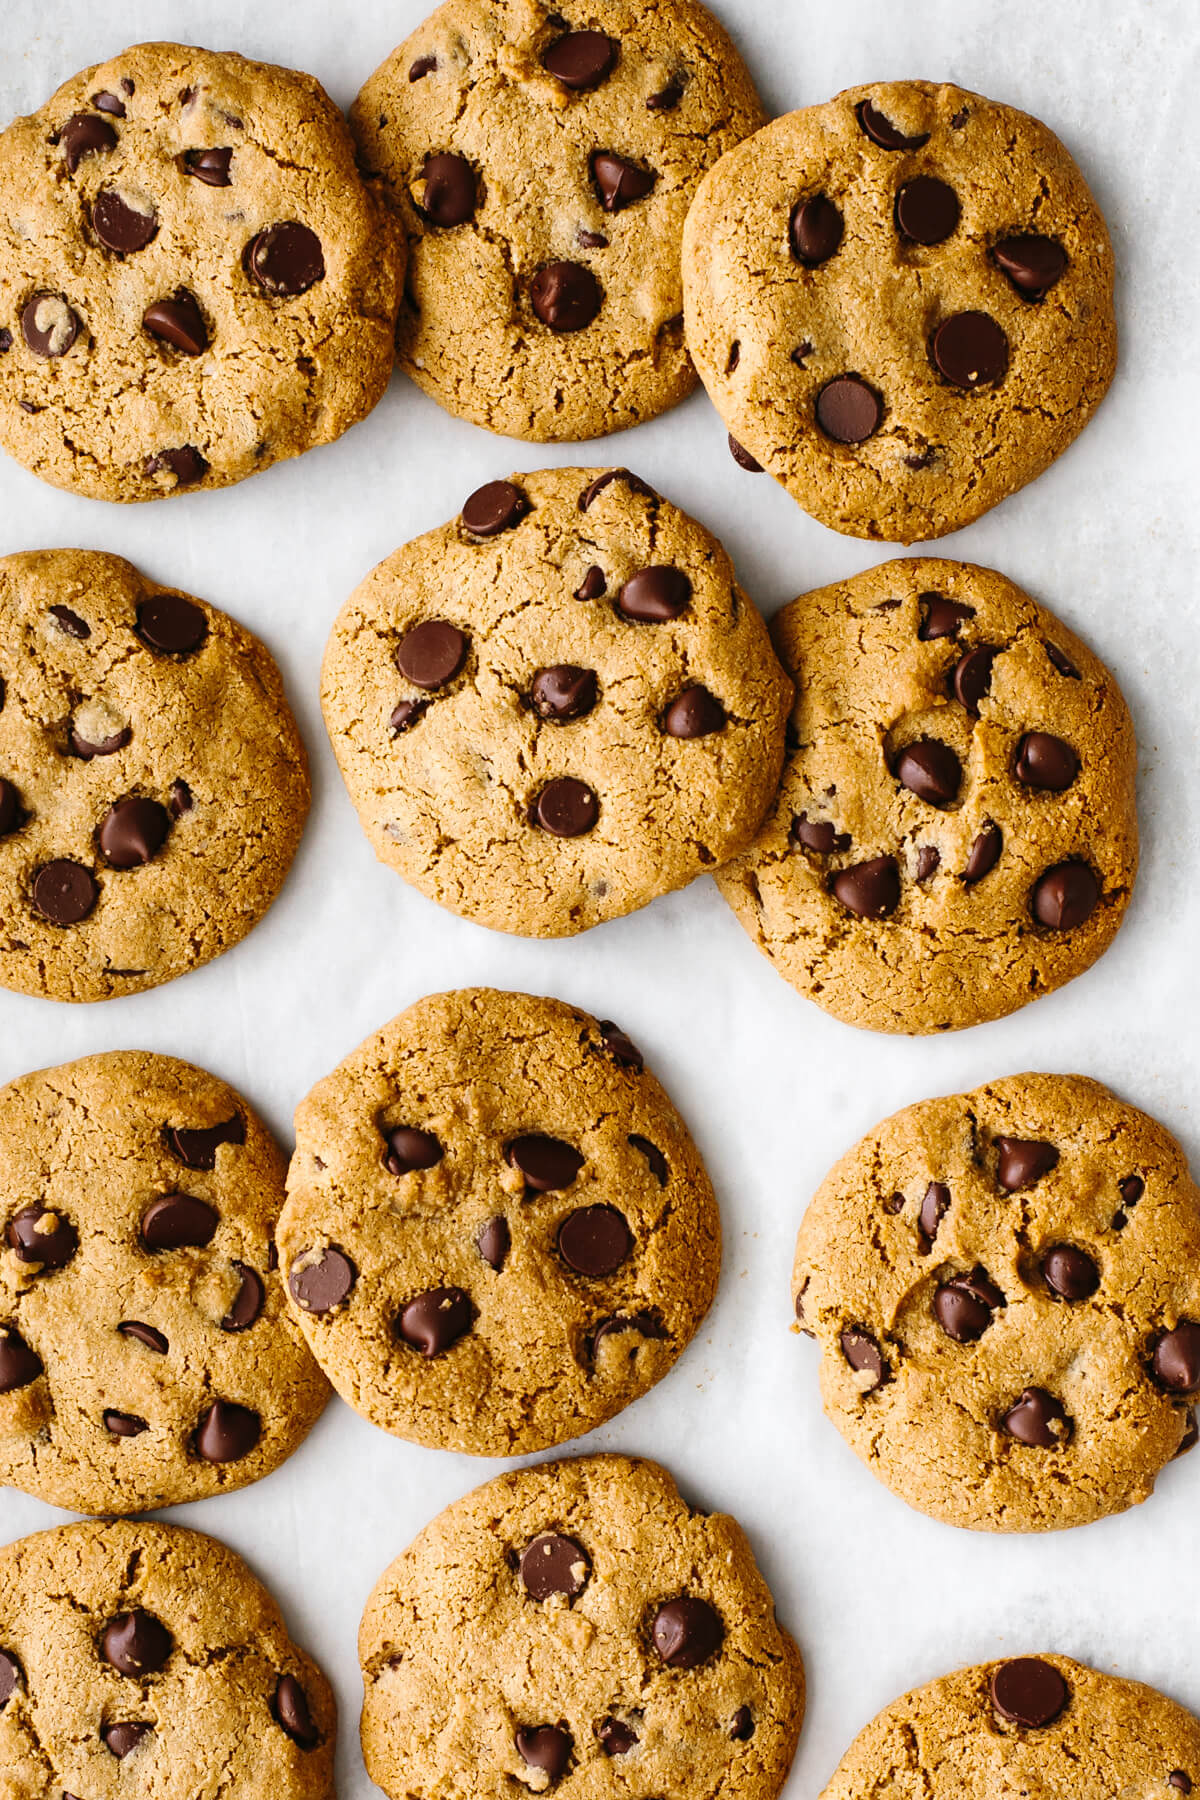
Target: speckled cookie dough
<point x="1033" y="1725"/>
<point x="498" y="1232"/>
<point x="558" y="706"/>
<point x="146" y="1352"/>
<point x="144" y="1659"/>
<point x="153" y="785"/>
<point x="956" y="832"/>
<point x="1005" y="1288"/>
<point x="901" y="304"/>
<point x="195" y="282"/>
<point x="578" y="1626"/>
<point x="542" y="169"/>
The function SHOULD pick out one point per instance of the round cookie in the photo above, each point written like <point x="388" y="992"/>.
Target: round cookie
<point x="153" y="785"/>
<point x="498" y="1232"/>
<point x="146" y="1353"/>
<point x="144" y="1659"/>
<point x="542" y="169"/>
<point x="1035" y="1725"/>
<point x="194" y="280"/>
<point x="1005" y="1287"/>
<point x="901" y="304"/>
<point x="558" y="706"/>
<point x="955" y="833"/>
<point x="578" y="1626"/>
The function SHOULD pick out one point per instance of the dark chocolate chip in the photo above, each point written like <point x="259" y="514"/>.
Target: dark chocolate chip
<point x="1044" y="761"/>
<point x="654" y="595"/>
<point x="928" y="859"/>
<point x="1029" y="1692"/>
<point x="1065" y="896"/>
<point x="179" y="322"/>
<point x="178" y="1222"/>
<point x="594" y="1240"/>
<point x="11" y="1675"/>
<point x="894" y="1204"/>
<point x="694" y="713"/>
<point x="934" y="1208"/>
<point x="971" y="350"/>
<point x="654" y="1157"/>
<point x="181" y="800"/>
<point x="132" y="832"/>
<point x="285" y="259"/>
<point x="815" y="230"/>
<point x="409" y="1148"/>
<point x="1131" y="1190"/>
<point x="39" y="1235"/>
<point x="432" y="1322"/>
<point x="864" y="1356"/>
<point x="449" y="196"/>
<point x="1190" y="1438"/>
<point x="616" y="1738"/>
<point x="742" y="456"/>
<point x="64" y="892"/>
<point x="1070" y="1272"/>
<point x="1062" y="662"/>
<point x="19" y="1365"/>
<point x="971" y="678"/>
<point x="170" y="623"/>
<point x="406" y="713"/>
<point x="122" y="1424"/>
<point x="553" y="1564"/>
<point x="818" y="835"/>
<point x="248" y="1302"/>
<point x="848" y="411"/>
<point x="493" y="1242"/>
<point x="424" y="65"/>
<point x="1177" y="1358"/>
<point x="12" y="813"/>
<point x="432" y="653"/>
<point x="931" y="770"/>
<point x="871" y="890"/>
<point x="495" y="507"/>
<point x="547" y="1747"/>
<point x="941" y="617"/>
<point x="290" y="1710"/>
<point x="881" y="131"/>
<point x="85" y="134"/>
<point x="1033" y="264"/>
<point x="1181" y="1782"/>
<point x="119" y="226"/>
<point x="112" y="104"/>
<point x="197" y="1148"/>
<point x="183" y="461"/>
<point x="144" y="1334"/>
<point x="49" y="325"/>
<point x="618" y="181"/>
<point x="633" y="482"/>
<point x="1037" y="1419"/>
<point x="565" y="296"/>
<point x="547" y="1163"/>
<point x="1020" y="1162"/>
<point x="136" y="1643"/>
<point x="620" y="1047"/>
<point x="927" y="210"/>
<point x="686" y="1632"/>
<point x="984" y="853"/>
<point x="322" y="1279"/>
<point x="225" y="1432"/>
<point x="566" y="807"/>
<point x="209" y="166"/>
<point x="741" y="1726"/>
<point x="593" y="585"/>
<point x="667" y="98"/>
<point x="581" y="59"/>
<point x="70" y="622"/>
<point x="563" y="692"/>
<point x="963" y="1306"/>
<point x="123" y="1737"/>
<point x="86" y="750"/>
<point x="645" y="1324"/>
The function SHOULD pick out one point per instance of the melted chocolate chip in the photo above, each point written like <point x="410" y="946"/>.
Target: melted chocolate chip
<point x="931" y="770"/>
<point x="581" y="59"/>
<point x="594" y="1240"/>
<point x="963" y="1306"/>
<point x="226" y="1432"/>
<point x="86" y="750"/>
<point x="409" y="1148"/>
<point x="881" y="131"/>
<point x="12" y="813"/>
<point x="563" y="692"/>
<point x="209" y="166"/>
<point x="85" y="134"/>
<point x="546" y="1747"/>
<point x="1032" y="264"/>
<point x="178" y="322"/>
<point x="615" y="1736"/>
<point x="132" y="832"/>
<point x="655" y="1159"/>
<point x="196" y="1148"/>
<point x="694" y="713"/>
<point x="495" y="507"/>
<point x="655" y="595"/>
<point x="633" y="482"/>
<point x="620" y="1046"/>
<point x="686" y="1632"/>
<point x="1176" y="1359"/>
<point x="565" y="296"/>
<point x="619" y="182"/>
<point x="1029" y="1692"/>
<point x="285" y="259"/>
<point x="432" y="653"/>
<point x="123" y="1737"/>
<point x="493" y="1242"/>
<point x="870" y="890"/>
<point x="290" y="1710"/>
<point x="321" y="1279"/>
<point x="248" y="1302"/>
<point x="864" y="1356"/>
<point x="815" y="229"/>
<point x="593" y="585"/>
<point x="927" y="210"/>
<point x="941" y="617"/>
<point x="970" y="350"/>
<point x="449" y="196"/>
<point x="934" y="1208"/>
<point x="11" y="1676"/>
<point x="1020" y="1162"/>
<point x="984" y="853"/>
<point x="553" y="1564"/>
<point x="742" y="456"/>
<point x="818" y="835"/>
<point x="566" y="808"/>
<point x="119" y="226"/>
<point x="1065" y="896"/>
<point x="434" y="1321"/>
<point x="1070" y="1272"/>
<point x="41" y="1236"/>
<point x="49" y="325"/>
<point x="136" y="1643"/>
<point x="1045" y="762"/>
<point x="178" y="1222"/>
<point x="848" y="411"/>
<point x="1037" y="1419"/>
<point x="171" y="624"/>
<point x="64" y="892"/>
<point x="144" y="1335"/>
<point x="971" y="677"/>
<point x="70" y="622"/>
<point x="183" y="461"/>
<point x="19" y="1365"/>
<point x="124" y="1425"/>
<point x="547" y="1163"/>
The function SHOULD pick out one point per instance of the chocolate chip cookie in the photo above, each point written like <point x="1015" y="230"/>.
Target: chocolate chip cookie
<point x="955" y="833"/>
<point x="498" y="1232"/>
<point x="1035" y="1725"/>
<point x="153" y="785"/>
<point x="558" y="706"/>
<point x="1005" y="1287"/>
<point x="578" y="1626"/>
<point x="144" y="1659"/>
<point x="195" y="282"/>
<point x="541" y="168"/>
<point x="901" y="304"/>
<point x="146" y="1353"/>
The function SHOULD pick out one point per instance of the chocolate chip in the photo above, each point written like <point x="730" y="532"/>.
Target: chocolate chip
<point x="70" y="622"/>
<point x="871" y="890"/>
<point x="495" y="507"/>
<point x="963" y="1306"/>
<point x="645" y="1324"/>
<point x="928" y="859"/>
<point x="930" y="770"/>
<point x="1065" y="896"/>
<point x="1029" y="1692"/>
<point x="970" y="350"/>
<point x="409" y="1149"/>
<point x="1062" y="662"/>
<point x="881" y="131"/>
<point x="547" y="1747"/>
<point x="225" y="1432"/>
<point x="566" y="807"/>
<point x="593" y="585"/>
<point x="565" y="296"/>
<point x="620" y="1047"/>
<point x="449" y="196"/>
<point x="183" y="461"/>
<point x="633" y="482"/>
<point x="667" y="98"/>
<point x="984" y="853"/>
<point x="322" y="1279"/>
<point x="563" y="692"/>
<point x="1020" y="1162"/>
<point x="1044" y="761"/>
<point x="178" y="1222"/>
<point x="1190" y="1438"/>
<point x="594" y="1240"/>
<point x="927" y="210"/>
<point x="553" y="1564"/>
<point x="432" y="653"/>
<point x="934" y="1208"/>
<point x="41" y="1236"/>
<point x="848" y="411"/>
<point x="864" y="1356"/>
<point x="126" y="1425"/>
<point x="1177" y="1358"/>
<point x="815" y="230"/>
<point x="285" y="259"/>
<point x="581" y="59"/>
<point x="290" y="1710"/>
<point x="11" y="1675"/>
<point x="197" y="1148"/>
<point x="85" y="134"/>
<point x="109" y="103"/>
<point x="19" y="1365"/>
<point x="971" y="677"/>
<point x="406" y="713"/>
<point x="741" y="1726"/>
<point x="171" y="624"/>
<point x="1033" y="264"/>
<point x="209" y="166"/>
<point x="1131" y="1190"/>
<point x="178" y="321"/>
<point x="86" y="750"/>
<point x="800" y="354"/>
<point x="144" y="1334"/>
<point x="1037" y="1419"/>
<point x="424" y="65"/>
<point x="654" y="1157"/>
<point x="894" y="1204"/>
<point x="11" y="811"/>
<point x="1179" y="1781"/>
<point x="64" y="892"/>
<point x="123" y="1737"/>
<point x="818" y="835"/>
<point x="686" y="1632"/>
<point x="547" y="1163"/>
<point x="132" y="832"/>
<point x="49" y="325"/>
<point x="742" y="456"/>
<point x="181" y="800"/>
<point x="136" y="1643"/>
<point x="616" y="1738"/>
<point x="694" y="713"/>
<point x="618" y="181"/>
<point x="941" y="617"/>
<point x="432" y="1322"/>
<point x="120" y="226"/>
<point x="493" y="1242"/>
<point x="1070" y="1272"/>
<point x="248" y="1302"/>
<point x="654" y="595"/>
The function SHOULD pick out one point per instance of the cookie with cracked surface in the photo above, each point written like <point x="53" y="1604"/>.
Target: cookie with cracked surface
<point x="1005" y="1288"/>
<point x="956" y="830"/>
<point x="498" y="1231"/>
<point x="557" y="707"/>
<point x="542" y="169"/>
<point x="1035" y="1725"/>
<point x="930" y="321"/>
<point x="151" y="1653"/>
<point x="146" y="1351"/>
<point x="195" y="282"/>
<point x="153" y="785"/>
<point x="614" y="1639"/>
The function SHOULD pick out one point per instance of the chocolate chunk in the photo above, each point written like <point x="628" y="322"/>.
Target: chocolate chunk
<point x="928" y="859"/>
<point x="971" y="678"/>
<point x="178" y="321"/>
<point x="815" y="229"/>
<point x="563" y="692"/>
<point x="633" y="482"/>
<point x="963" y="1306"/>
<point x="290" y="1710"/>
<point x="654" y="1157"/>
<point x="594" y="1240"/>
<point x="1177" y="1358"/>
<point x="1070" y="1272"/>
<point x="144" y="1334"/>
<point x="424" y="65"/>
<point x="934" y="1208"/>
<point x="741" y="1726"/>
<point x="19" y="1365"/>
<point x="1046" y="762"/>
<point x="120" y="226"/>
<point x="123" y="1737"/>
<point x="620" y="1046"/>
<point x="941" y="617"/>
<point x="593" y="585"/>
<point x="881" y="131"/>
<point x="553" y="1564"/>
<point x="136" y="1643"/>
<point x="64" y="892"/>
<point x="125" y="1425"/>
<point x="742" y="456"/>
<point x="132" y="832"/>
<point x="248" y="1302"/>
<point x="432" y="1322"/>
<point x="41" y="1236"/>
<point x="984" y="853"/>
<point x="11" y="1676"/>
<point x="495" y="507"/>
<point x="197" y="1148"/>
<point x="1020" y="1162"/>
<point x="285" y="259"/>
<point x="70" y="622"/>
<point x="927" y="210"/>
<point x="1062" y="662"/>
<point x="183" y="461"/>
<point x="848" y="411"/>
<point x="547" y="1747"/>
<point x="970" y="350"/>
<point x="49" y="325"/>
<point x="432" y="653"/>
<point x="209" y="166"/>
<point x="654" y="595"/>
<point x="409" y="1149"/>
<point x="686" y="1632"/>
<point x="12" y="813"/>
<point x="85" y="134"/>
<point x="1037" y="1419"/>
<point x="871" y="890"/>
<point x="171" y="624"/>
<point x="547" y="1163"/>
<point x="616" y="1738"/>
<point x="818" y="835"/>
<point x="86" y="750"/>
<point x="493" y="1242"/>
<point x="931" y="770"/>
<point x="1065" y="896"/>
<point x="449" y="196"/>
<point x="694" y="713"/>
<point x="225" y="1432"/>
<point x="566" y="807"/>
<point x="619" y="182"/>
<point x="1029" y="1692"/>
<point x="322" y="1279"/>
<point x="1033" y="264"/>
<point x="178" y="1222"/>
<point x="667" y="98"/>
<point x="864" y="1356"/>
<point x="565" y="296"/>
<point x="581" y="59"/>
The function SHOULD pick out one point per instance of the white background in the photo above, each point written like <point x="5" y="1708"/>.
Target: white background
<point x="880" y="1598"/>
